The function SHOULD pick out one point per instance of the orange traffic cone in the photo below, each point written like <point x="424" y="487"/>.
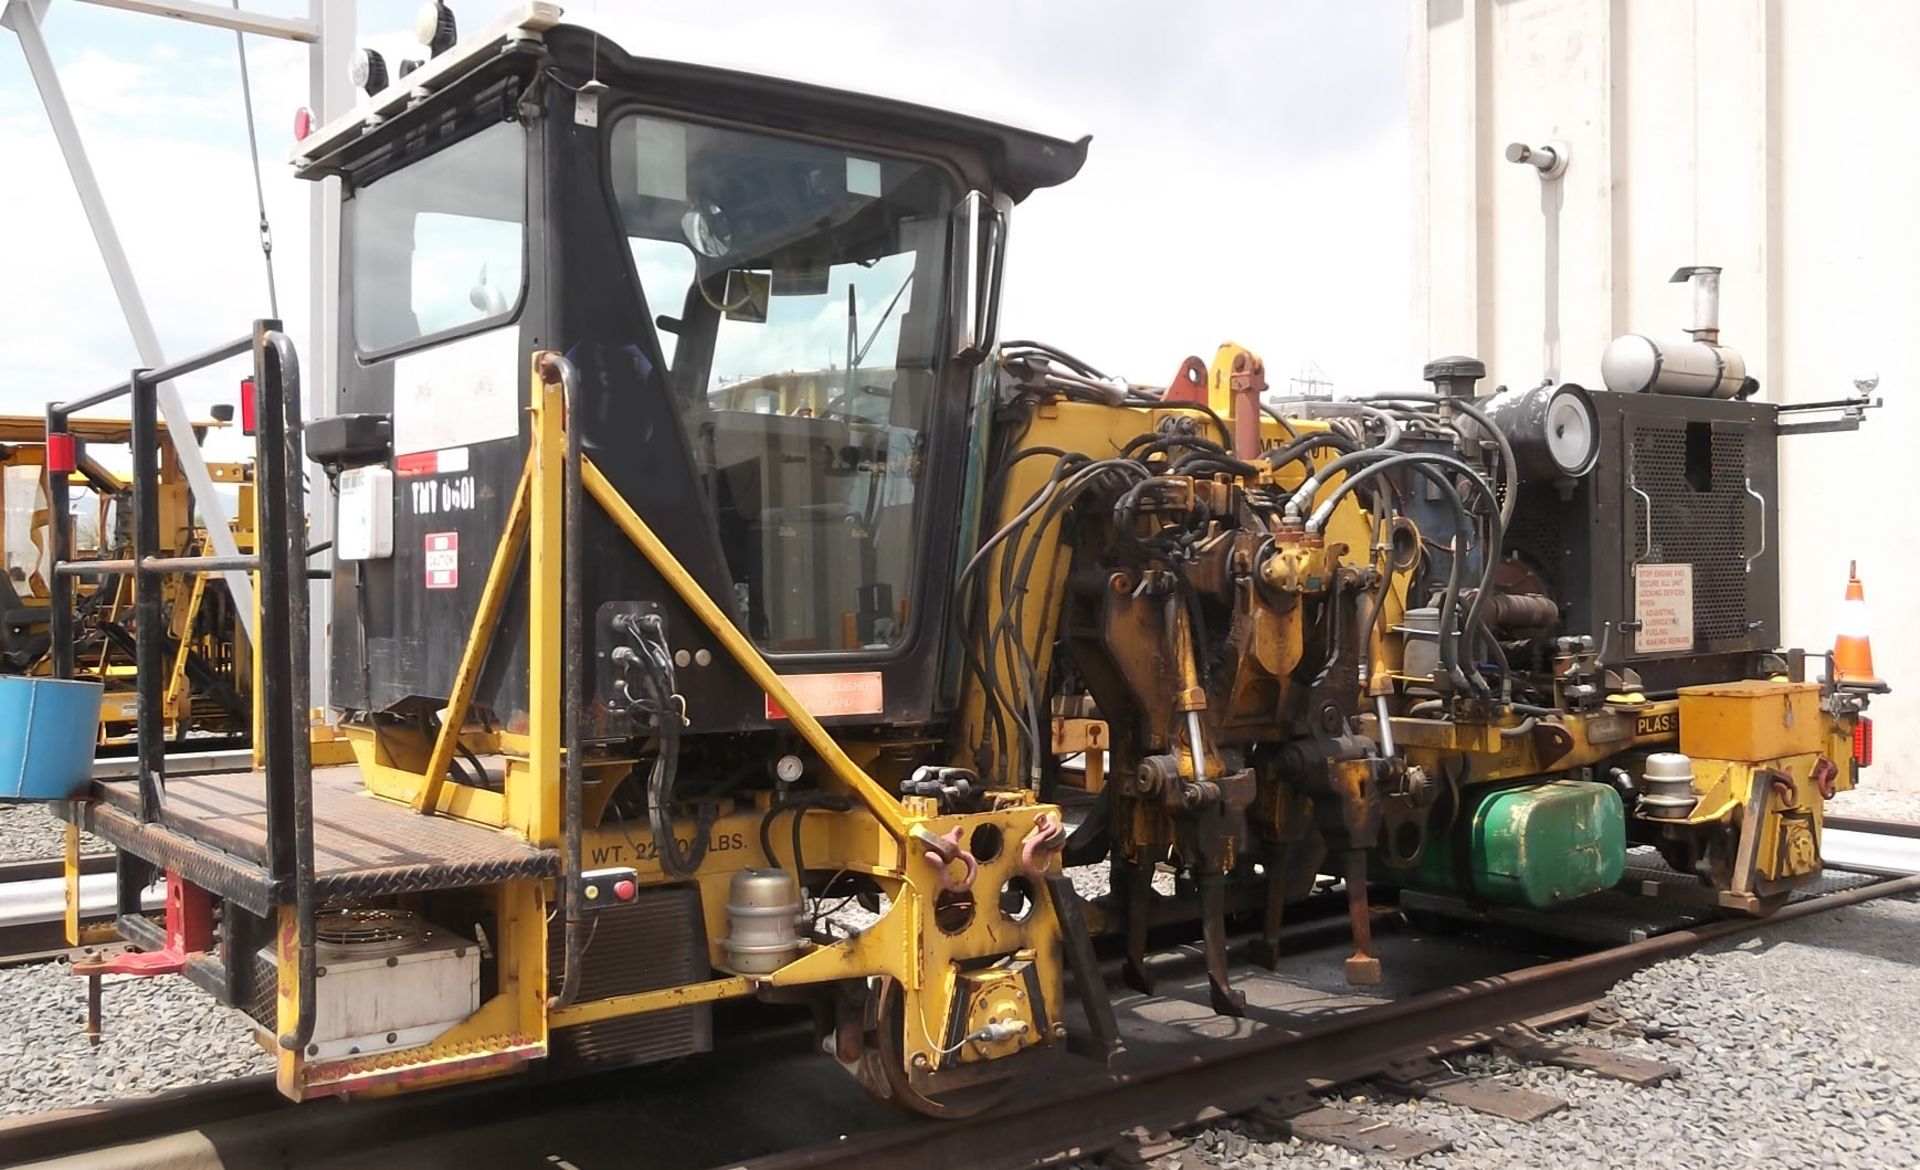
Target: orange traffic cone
<point x="1852" y="649"/>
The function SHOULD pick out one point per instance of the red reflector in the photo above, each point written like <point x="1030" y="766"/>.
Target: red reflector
<point x="1863" y="742"/>
<point x="249" y="413"/>
<point x="60" y="458"/>
<point x="302" y="123"/>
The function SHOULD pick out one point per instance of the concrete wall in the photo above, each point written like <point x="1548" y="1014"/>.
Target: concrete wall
<point x="1770" y="137"/>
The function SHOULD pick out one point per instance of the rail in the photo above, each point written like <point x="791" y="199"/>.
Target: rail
<point x="282" y="649"/>
<point x="1078" y="1112"/>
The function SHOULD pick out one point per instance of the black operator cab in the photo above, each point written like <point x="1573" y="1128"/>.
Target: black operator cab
<point x="776" y="296"/>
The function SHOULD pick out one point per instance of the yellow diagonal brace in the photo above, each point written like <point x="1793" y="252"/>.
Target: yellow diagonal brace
<point x="177" y="681"/>
<point x="493" y="597"/>
<point x="878" y="800"/>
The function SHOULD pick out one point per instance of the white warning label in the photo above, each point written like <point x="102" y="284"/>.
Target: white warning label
<point x="443" y="560"/>
<point x="1663" y="605"/>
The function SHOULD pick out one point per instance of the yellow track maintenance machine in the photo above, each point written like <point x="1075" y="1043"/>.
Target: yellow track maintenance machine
<point x="208" y="684"/>
<point x="646" y="667"/>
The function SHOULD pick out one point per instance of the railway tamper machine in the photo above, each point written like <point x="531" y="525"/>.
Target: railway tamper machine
<point x="722" y="613"/>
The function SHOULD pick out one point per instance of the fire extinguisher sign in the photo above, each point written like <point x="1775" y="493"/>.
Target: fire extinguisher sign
<point x="443" y="560"/>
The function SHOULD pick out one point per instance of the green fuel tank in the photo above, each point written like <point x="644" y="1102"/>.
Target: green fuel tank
<point x="1535" y="845"/>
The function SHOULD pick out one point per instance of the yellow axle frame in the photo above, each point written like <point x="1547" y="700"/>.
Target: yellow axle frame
<point x="884" y="837"/>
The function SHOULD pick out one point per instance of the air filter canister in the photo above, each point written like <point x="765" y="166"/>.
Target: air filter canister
<point x="1554" y="430"/>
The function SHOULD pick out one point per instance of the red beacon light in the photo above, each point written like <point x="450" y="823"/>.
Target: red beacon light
<point x="61" y="458"/>
<point x="249" y="407"/>
<point x="302" y="124"/>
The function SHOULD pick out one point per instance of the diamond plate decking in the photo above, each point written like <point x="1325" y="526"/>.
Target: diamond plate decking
<point x="215" y="829"/>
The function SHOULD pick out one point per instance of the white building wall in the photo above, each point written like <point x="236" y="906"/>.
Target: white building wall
<point x="1770" y="137"/>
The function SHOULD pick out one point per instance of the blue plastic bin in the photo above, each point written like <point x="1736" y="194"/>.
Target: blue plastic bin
<point x="48" y="727"/>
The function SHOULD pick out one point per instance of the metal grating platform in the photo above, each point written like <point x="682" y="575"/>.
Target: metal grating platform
<point x="1644" y="865"/>
<point x="214" y="830"/>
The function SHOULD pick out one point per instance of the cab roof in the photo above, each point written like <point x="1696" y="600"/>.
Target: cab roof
<point x="1020" y="160"/>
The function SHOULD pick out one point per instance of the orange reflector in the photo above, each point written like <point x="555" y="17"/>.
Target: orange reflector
<point x="1863" y="742"/>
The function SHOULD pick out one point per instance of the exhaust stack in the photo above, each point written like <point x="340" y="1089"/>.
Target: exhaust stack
<point x="1700" y="367"/>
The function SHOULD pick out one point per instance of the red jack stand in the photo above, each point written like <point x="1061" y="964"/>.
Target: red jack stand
<point x="189" y="932"/>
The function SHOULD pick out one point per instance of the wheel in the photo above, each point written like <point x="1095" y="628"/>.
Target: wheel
<point x="885" y="1071"/>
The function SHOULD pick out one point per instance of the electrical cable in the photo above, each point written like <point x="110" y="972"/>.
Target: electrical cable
<point x="676" y="861"/>
<point x="259" y="187"/>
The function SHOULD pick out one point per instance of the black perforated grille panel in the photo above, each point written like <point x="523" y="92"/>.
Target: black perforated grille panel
<point x="1696" y="510"/>
<point x="658" y="941"/>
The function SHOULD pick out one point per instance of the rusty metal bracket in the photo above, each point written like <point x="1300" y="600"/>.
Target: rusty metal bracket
<point x="1430" y="1080"/>
<point x="1309" y="1120"/>
<point x="1525" y="1044"/>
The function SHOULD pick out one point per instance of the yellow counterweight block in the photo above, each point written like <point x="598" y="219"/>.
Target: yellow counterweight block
<point x="1765" y="757"/>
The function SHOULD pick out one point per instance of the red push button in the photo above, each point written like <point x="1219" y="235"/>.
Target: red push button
<point x="623" y="890"/>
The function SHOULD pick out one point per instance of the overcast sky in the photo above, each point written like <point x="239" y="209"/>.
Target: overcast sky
<point x="1247" y="179"/>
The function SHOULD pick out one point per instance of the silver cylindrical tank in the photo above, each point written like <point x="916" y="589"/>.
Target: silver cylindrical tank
<point x="1635" y="363"/>
<point x="1666" y="787"/>
<point x="762" y="906"/>
<point x="1421" y="655"/>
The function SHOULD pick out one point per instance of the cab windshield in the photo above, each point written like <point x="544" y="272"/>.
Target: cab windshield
<point x="796" y="292"/>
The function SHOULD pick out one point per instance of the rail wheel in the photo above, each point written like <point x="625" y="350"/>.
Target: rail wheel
<point x="884" y="1069"/>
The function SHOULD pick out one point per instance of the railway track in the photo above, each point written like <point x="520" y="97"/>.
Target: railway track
<point x="33" y="905"/>
<point x="1130" y="1111"/>
<point x="32" y="892"/>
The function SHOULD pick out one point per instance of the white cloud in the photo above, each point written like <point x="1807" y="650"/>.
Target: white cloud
<point x="1247" y="179"/>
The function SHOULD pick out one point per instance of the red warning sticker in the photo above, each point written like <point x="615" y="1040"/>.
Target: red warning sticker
<point x="443" y="560"/>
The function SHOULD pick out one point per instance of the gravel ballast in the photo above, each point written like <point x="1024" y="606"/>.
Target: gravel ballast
<point x="1875" y="804"/>
<point x="1796" y="1047"/>
<point x="159" y="1033"/>
<point x="29" y="832"/>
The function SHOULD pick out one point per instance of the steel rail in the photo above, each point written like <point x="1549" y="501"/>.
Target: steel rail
<point x="33" y="905"/>
<point x="1871" y="825"/>
<point x="68" y="1132"/>
<point x="1083" y="1119"/>
<point x="1076" y="1116"/>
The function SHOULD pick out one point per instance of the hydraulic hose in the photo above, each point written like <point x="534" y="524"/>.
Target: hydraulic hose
<point x="1509" y="467"/>
<point x="1427" y="463"/>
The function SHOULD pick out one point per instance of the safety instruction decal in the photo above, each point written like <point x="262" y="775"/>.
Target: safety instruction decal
<point x="443" y="560"/>
<point x="827" y="695"/>
<point x="1663" y="605"/>
<point x="457" y="394"/>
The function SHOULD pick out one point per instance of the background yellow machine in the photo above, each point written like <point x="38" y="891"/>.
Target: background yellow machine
<point x="208" y="677"/>
<point x="651" y="653"/>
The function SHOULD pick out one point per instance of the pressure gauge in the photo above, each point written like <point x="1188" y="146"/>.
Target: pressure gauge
<point x="788" y="769"/>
